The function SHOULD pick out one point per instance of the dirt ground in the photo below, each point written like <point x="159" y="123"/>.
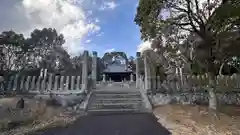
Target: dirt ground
<point x="178" y="119"/>
<point x="196" y="120"/>
<point x="35" y="115"/>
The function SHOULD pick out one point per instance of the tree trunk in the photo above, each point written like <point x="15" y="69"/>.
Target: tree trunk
<point x="213" y="104"/>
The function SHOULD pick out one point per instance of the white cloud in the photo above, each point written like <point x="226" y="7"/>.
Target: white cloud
<point x="144" y="46"/>
<point x="99" y="34"/>
<point x="66" y="16"/>
<point x="88" y="41"/>
<point x="108" y="5"/>
<point x="97" y="20"/>
<point x="110" y="50"/>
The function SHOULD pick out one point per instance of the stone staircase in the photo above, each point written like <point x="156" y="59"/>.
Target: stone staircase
<point x="115" y="102"/>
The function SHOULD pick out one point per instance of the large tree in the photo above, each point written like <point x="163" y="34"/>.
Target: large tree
<point x="214" y="31"/>
<point x="13" y="51"/>
<point x="41" y="50"/>
<point x="47" y="45"/>
<point x="14" y="55"/>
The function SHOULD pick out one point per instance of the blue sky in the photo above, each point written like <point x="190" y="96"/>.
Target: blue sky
<point x="120" y="33"/>
<point x="94" y="25"/>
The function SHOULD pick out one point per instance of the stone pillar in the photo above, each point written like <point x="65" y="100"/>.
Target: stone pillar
<point x="43" y="84"/>
<point x="15" y="85"/>
<point x="10" y="83"/>
<point x="147" y="72"/>
<point x="138" y="54"/>
<point x="85" y="71"/>
<point x="104" y="78"/>
<point x="158" y="82"/>
<point x="72" y="82"/>
<point x="94" y="70"/>
<point x="153" y="80"/>
<point x="49" y="82"/>
<point x="22" y="83"/>
<point x="131" y="78"/>
<point x="56" y="79"/>
<point x="61" y="83"/>
<point x="38" y="83"/>
<point x="33" y="83"/>
<point x="78" y="82"/>
<point x="27" y="83"/>
<point x="67" y="83"/>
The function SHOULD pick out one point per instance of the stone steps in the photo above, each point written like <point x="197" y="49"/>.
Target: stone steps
<point x="117" y="95"/>
<point x="114" y="110"/>
<point x="113" y="102"/>
<point x="115" y="105"/>
<point x="117" y="100"/>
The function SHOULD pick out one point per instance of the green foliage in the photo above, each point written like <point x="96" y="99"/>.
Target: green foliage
<point x="13" y="49"/>
<point x="44" y="40"/>
<point x="19" y="53"/>
<point x="131" y="63"/>
<point x="216" y="31"/>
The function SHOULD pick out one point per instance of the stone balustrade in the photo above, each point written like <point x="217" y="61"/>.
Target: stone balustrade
<point x="49" y="83"/>
<point x="45" y="84"/>
<point x="223" y="83"/>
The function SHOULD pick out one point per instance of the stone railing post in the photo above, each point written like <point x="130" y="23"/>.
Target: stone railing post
<point x="138" y="54"/>
<point x="67" y="83"/>
<point x="72" y="82"/>
<point x="33" y="83"/>
<point x="50" y="82"/>
<point x="15" y="83"/>
<point x="147" y="72"/>
<point x="22" y="83"/>
<point x="38" y="83"/>
<point x="61" y="83"/>
<point x="10" y="83"/>
<point x="78" y="83"/>
<point x="43" y="85"/>
<point x="56" y="80"/>
<point x="85" y="71"/>
<point x="27" y="83"/>
<point x="94" y="70"/>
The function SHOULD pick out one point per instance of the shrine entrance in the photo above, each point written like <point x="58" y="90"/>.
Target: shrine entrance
<point x="118" y="76"/>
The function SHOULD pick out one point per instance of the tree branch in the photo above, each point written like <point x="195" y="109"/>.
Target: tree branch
<point x="191" y="21"/>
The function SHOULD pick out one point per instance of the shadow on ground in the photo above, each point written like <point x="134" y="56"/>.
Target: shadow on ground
<point x="115" y="124"/>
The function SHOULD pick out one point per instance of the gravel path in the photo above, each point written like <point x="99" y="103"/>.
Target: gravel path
<point x="118" y="124"/>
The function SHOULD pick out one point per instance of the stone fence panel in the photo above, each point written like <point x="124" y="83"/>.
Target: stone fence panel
<point x="44" y="84"/>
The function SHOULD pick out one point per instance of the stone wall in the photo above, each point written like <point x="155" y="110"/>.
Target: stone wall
<point x="226" y="98"/>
